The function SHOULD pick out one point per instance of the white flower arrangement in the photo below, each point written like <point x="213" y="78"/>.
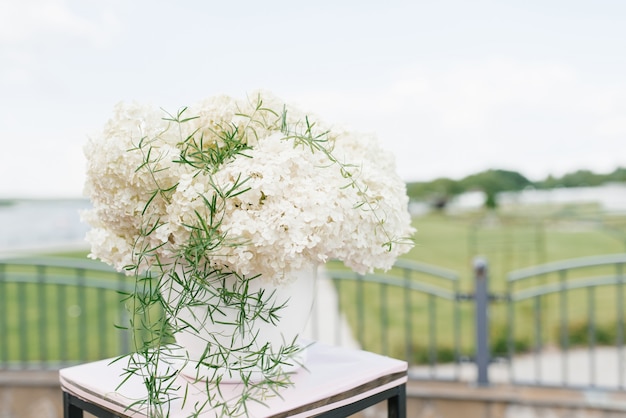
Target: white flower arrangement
<point x="203" y="202"/>
<point x="302" y="204"/>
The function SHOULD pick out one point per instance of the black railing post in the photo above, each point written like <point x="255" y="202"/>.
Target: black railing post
<point x="481" y="299"/>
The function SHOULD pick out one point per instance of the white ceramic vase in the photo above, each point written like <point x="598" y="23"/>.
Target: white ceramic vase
<point x="204" y="329"/>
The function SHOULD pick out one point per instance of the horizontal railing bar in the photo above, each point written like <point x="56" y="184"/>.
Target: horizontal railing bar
<point x="67" y="280"/>
<point x="426" y="268"/>
<point x="392" y="281"/>
<point x="59" y="262"/>
<point x="571" y="285"/>
<point x="566" y="265"/>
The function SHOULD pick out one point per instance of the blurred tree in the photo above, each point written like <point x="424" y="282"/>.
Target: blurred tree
<point x="439" y="191"/>
<point x="492" y="182"/>
<point x="496" y="181"/>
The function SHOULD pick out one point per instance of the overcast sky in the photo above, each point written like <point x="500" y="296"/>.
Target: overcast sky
<point x="451" y="87"/>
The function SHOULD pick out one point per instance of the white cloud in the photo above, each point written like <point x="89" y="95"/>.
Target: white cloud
<point x="536" y="117"/>
<point x="612" y="126"/>
<point x="30" y="20"/>
<point x="18" y="68"/>
<point x="52" y="167"/>
<point x="451" y="89"/>
<point x="36" y="35"/>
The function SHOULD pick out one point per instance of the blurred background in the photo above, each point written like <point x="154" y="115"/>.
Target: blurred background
<point x="507" y="121"/>
<point x="452" y="88"/>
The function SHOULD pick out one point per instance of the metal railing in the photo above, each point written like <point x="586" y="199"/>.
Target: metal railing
<point x="576" y="310"/>
<point x="423" y="300"/>
<point x="59" y="312"/>
<point x="56" y="312"/>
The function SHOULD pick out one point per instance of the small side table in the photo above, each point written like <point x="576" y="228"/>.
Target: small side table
<point x="337" y="383"/>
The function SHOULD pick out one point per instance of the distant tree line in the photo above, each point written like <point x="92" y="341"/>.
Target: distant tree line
<point x="439" y="191"/>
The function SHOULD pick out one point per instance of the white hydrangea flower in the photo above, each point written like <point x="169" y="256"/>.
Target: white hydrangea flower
<point x="302" y="205"/>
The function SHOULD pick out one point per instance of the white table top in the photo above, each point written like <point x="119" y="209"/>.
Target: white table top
<point x="334" y="377"/>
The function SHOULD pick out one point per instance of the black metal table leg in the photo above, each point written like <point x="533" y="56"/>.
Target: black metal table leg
<point x="69" y="409"/>
<point x="396" y="405"/>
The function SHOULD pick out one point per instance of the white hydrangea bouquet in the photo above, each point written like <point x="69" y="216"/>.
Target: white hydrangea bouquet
<point x="222" y="203"/>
